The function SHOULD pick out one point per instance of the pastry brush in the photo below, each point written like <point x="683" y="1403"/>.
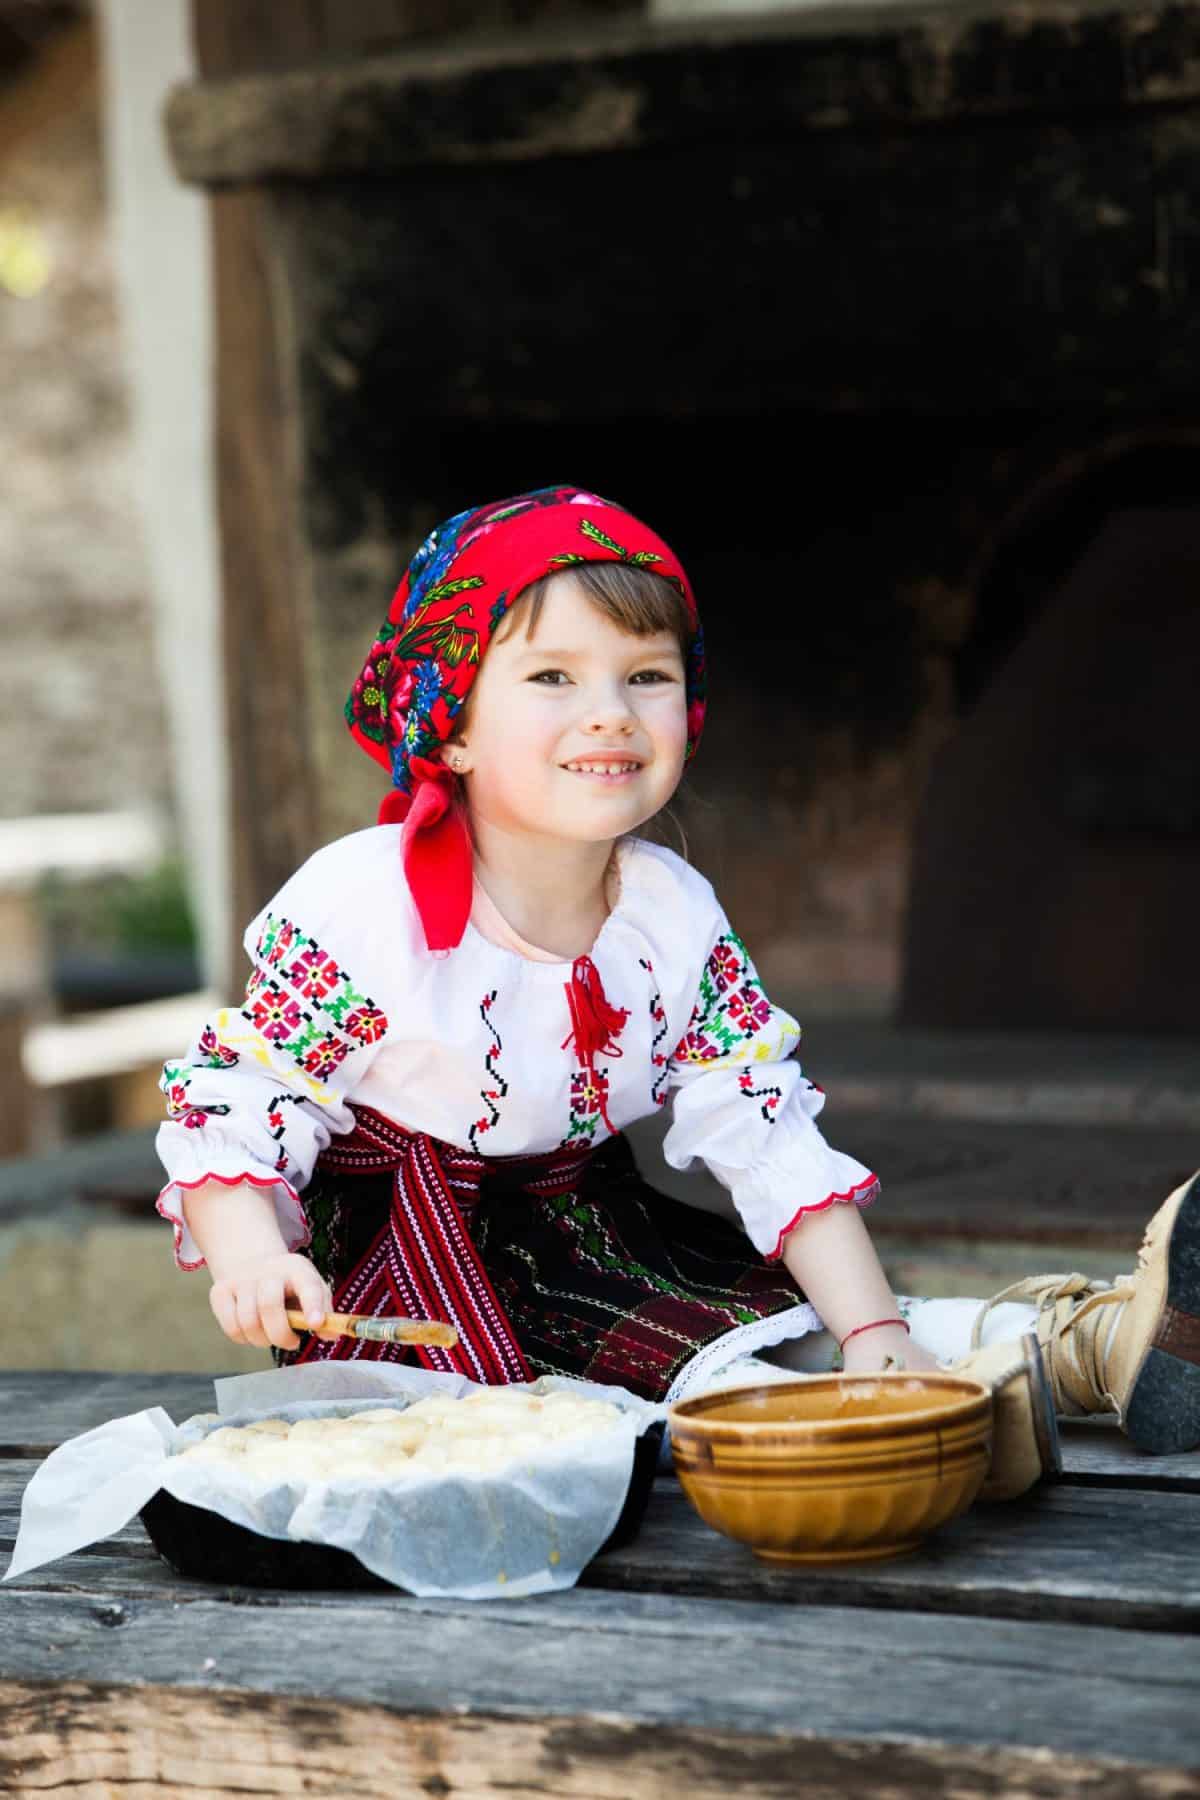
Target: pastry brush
<point x="379" y="1331"/>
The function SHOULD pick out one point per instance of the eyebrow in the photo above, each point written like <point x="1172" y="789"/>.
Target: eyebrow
<point x="563" y="655"/>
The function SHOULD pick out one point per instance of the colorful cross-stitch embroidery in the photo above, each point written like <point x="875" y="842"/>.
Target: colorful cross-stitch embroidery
<point x="277" y="1125"/>
<point x="216" y="1054"/>
<point x="582" y="1268"/>
<point x="311" y="973"/>
<point x="730" y="1018"/>
<point x="499" y="1089"/>
<point x="769" y="1096"/>
<point x="174" y="1082"/>
<point x="658" y="1058"/>
<point x="589" y="1227"/>
<point x="589" y="1100"/>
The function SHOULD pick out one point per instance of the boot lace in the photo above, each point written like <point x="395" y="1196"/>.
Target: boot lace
<point x="1058" y="1298"/>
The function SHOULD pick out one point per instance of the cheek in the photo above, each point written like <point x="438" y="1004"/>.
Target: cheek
<point x="517" y="751"/>
<point x="531" y="733"/>
<point x="669" y="726"/>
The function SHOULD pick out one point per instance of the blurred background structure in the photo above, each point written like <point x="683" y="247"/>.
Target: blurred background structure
<point x="883" y="315"/>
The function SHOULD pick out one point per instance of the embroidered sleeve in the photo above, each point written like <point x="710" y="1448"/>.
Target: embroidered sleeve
<point x="744" y="1106"/>
<point x="733" y="1024"/>
<point x="264" y="1086"/>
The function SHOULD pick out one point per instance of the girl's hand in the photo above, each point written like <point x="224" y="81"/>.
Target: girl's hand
<point x="250" y="1301"/>
<point x="866" y="1352"/>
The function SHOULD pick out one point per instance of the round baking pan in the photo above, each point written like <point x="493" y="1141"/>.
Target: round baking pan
<point x="195" y="1542"/>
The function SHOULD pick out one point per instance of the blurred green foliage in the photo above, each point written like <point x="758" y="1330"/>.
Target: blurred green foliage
<point x="119" y="913"/>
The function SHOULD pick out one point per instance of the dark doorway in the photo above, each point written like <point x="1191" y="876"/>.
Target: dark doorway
<point x="1057" y="850"/>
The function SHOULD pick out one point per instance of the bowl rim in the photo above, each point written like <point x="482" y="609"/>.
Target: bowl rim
<point x="694" y="1414"/>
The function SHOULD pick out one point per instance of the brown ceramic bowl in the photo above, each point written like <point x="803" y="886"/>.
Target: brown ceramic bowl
<point x="834" y="1468"/>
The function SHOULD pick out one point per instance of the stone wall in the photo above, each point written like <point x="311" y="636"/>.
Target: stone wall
<point x="81" y="719"/>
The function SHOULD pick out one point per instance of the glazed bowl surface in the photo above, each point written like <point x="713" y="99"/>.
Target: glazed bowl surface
<point x="834" y="1468"/>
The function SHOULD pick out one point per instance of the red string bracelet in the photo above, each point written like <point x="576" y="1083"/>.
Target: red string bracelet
<point x="871" y="1327"/>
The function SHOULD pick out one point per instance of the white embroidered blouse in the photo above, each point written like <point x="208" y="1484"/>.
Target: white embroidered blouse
<point x="345" y="1003"/>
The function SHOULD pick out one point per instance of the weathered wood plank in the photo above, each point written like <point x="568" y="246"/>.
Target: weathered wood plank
<point x="1101" y="1454"/>
<point x="1045" y="1182"/>
<point x="630" y="84"/>
<point x="1070" y="1554"/>
<point x="660" y="1660"/>
<point x="41" y="1408"/>
<point x="115" y="1740"/>
<point x="236" y="36"/>
<point x="271" y="829"/>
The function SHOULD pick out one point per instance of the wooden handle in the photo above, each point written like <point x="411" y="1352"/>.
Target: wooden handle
<point x="387" y="1331"/>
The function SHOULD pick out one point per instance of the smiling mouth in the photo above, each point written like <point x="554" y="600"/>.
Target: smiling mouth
<point x="614" y="769"/>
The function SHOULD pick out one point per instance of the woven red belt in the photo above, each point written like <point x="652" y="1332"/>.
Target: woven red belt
<point x="423" y="1264"/>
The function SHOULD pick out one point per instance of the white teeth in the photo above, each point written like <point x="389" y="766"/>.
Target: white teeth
<point x="598" y="768"/>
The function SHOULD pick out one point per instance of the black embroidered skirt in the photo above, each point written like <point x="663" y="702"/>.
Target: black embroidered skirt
<point x="560" y="1264"/>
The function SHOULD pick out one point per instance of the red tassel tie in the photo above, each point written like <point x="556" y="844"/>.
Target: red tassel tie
<point x="595" y="1022"/>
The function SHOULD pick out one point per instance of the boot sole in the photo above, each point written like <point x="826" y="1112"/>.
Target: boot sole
<point x="1162" y="1414"/>
<point x="1041" y="1396"/>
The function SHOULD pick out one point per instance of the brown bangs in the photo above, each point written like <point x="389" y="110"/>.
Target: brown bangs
<point x="636" y="601"/>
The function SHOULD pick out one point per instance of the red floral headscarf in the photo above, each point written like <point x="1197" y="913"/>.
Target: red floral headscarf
<point x="421" y="667"/>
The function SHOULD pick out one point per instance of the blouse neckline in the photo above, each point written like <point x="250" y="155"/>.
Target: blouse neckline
<point x="513" y="944"/>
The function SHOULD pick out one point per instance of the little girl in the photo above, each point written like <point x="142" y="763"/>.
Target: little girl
<point x="418" y="1108"/>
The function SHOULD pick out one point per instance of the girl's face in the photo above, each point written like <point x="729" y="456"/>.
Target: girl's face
<point x="579" y="733"/>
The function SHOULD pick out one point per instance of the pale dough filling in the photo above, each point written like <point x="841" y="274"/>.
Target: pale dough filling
<point x="481" y="1433"/>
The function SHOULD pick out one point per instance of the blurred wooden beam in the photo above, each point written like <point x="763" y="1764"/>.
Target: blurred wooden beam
<point x="244" y="36"/>
<point x="626" y="83"/>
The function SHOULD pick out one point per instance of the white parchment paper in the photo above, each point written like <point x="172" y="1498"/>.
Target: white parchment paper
<point x="525" y="1529"/>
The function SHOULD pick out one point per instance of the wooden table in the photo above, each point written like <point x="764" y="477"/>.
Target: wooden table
<point x="1043" y="1648"/>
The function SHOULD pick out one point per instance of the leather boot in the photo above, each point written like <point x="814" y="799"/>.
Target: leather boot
<point x="1131" y="1346"/>
<point x="1024" y="1431"/>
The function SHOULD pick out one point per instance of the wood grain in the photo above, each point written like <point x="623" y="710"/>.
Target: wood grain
<point x="42" y="1408"/>
<point x="1039" y="1649"/>
<point x="239" y="36"/>
<point x="1070" y="1554"/>
<point x="262" y="584"/>
<point x="651" y="1659"/>
<point x="623" y="84"/>
<point x="124" y="1741"/>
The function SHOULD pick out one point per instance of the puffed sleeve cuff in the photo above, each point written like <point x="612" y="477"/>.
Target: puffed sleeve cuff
<point x="756" y="1130"/>
<point x="774" y="1195"/>
<point x="289" y="1210"/>
<point x="859" y="1193"/>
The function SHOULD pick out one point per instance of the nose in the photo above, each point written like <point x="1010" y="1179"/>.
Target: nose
<point x="611" y="712"/>
<point x="604" y="721"/>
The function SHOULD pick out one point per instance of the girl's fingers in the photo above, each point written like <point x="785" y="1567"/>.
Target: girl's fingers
<point x="252" y="1309"/>
<point x="247" y="1315"/>
<point x="221" y="1299"/>
<point x="272" y="1315"/>
<point x="312" y="1295"/>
